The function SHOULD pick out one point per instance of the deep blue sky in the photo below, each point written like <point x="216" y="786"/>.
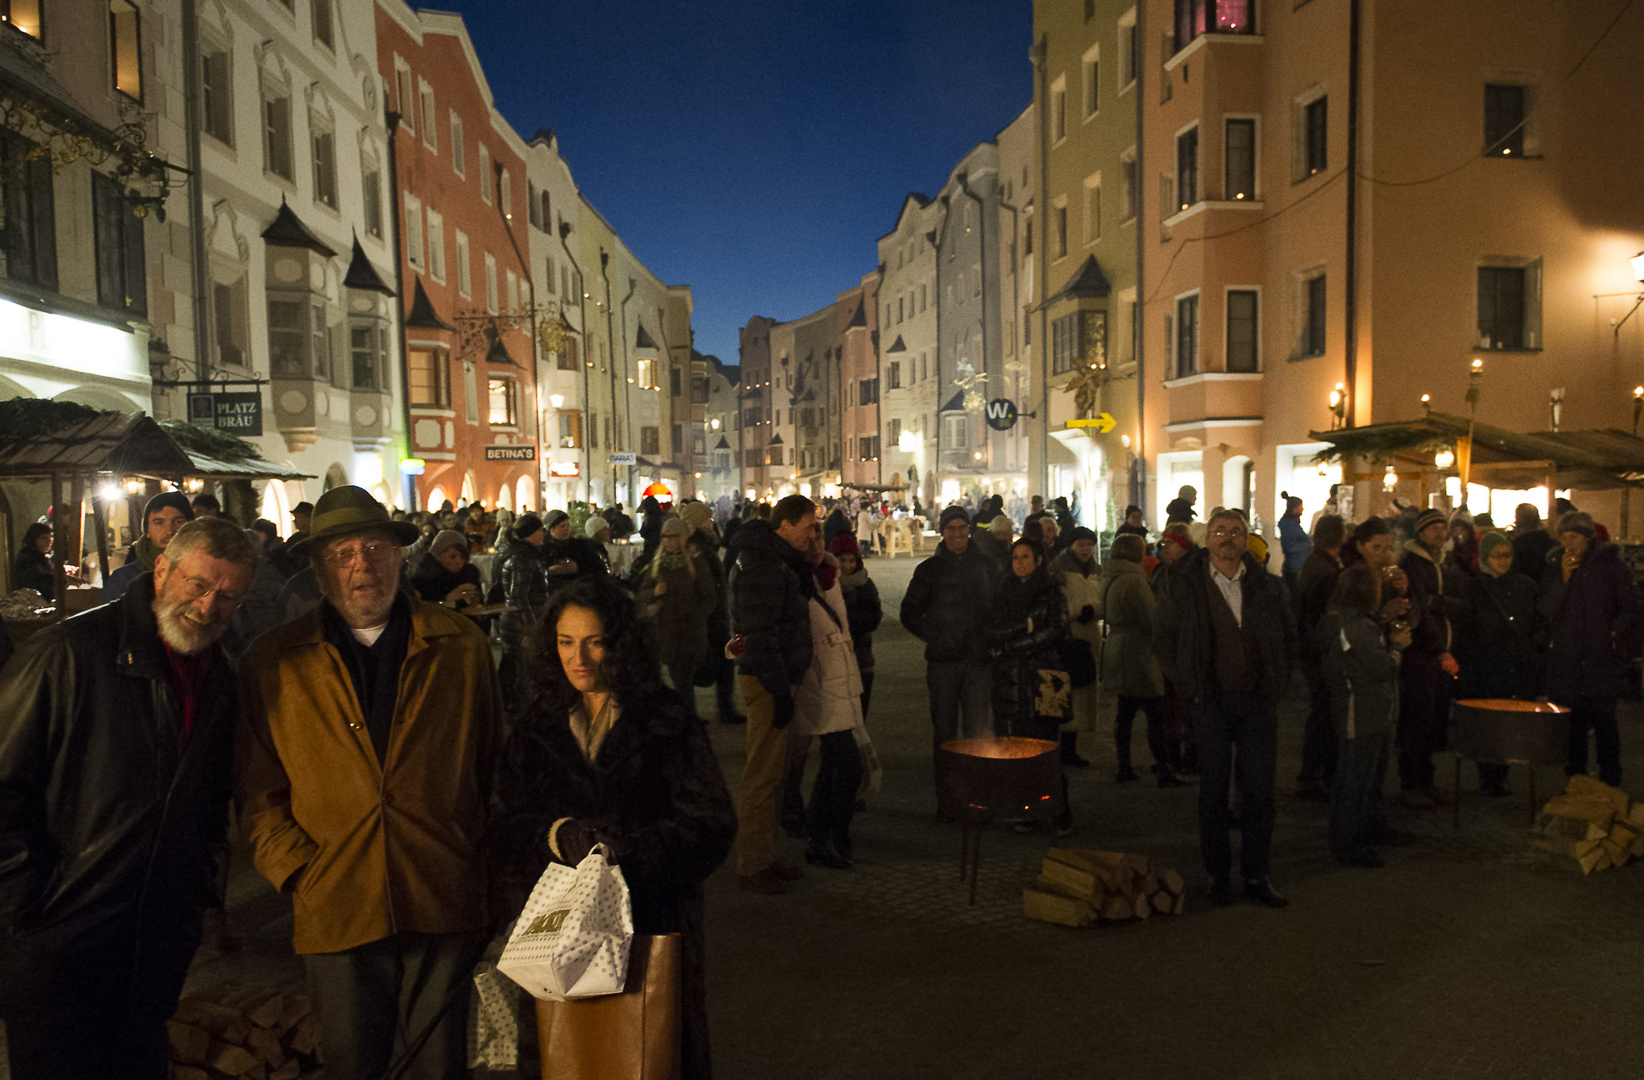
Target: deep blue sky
<point x="755" y="149"/>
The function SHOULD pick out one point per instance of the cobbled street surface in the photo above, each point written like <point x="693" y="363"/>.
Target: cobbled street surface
<point x="1468" y="956"/>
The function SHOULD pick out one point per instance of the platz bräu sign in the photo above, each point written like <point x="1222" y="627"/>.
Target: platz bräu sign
<point x="239" y="413"/>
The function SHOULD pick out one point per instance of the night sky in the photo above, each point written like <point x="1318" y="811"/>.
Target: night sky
<point x="755" y="149"/>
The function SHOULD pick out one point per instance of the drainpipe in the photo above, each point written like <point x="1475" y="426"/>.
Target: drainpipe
<point x="392" y="119"/>
<point x="1036" y="54"/>
<point x="981" y="243"/>
<point x="1138" y="337"/>
<point x="610" y="340"/>
<point x="531" y="289"/>
<point x="1351" y="277"/>
<point x="935" y="237"/>
<point x="587" y="361"/>
<point x="1015" y="282"/>
<point x="196" y="200"/>
<point x="628" y="395"/>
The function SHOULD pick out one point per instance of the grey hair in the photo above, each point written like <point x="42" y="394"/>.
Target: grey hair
<point x="1227" y="514"/>
<point x="219" y="538"/>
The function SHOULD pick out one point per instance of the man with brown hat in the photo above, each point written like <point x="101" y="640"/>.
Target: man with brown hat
<point x="369" y="735"/>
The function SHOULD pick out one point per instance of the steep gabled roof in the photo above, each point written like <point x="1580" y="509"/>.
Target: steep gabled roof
<point x="287" y="230"/>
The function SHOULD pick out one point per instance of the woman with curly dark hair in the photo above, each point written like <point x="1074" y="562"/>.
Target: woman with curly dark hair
<point x="603" y="752"/>
<point x="33" y="569"/>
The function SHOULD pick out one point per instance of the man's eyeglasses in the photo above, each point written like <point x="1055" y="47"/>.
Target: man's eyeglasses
<point x="1226" y="531"/>
<point x="194" y="588"/>
<point x="347" y="558"/>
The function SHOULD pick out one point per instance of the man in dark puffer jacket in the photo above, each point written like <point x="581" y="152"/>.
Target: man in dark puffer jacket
<point x="948" y="606"/>
<point x="771" y="587"/>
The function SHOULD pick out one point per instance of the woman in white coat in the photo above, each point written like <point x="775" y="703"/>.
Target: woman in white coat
<point x="1081" y="576"/>
<point x="829" y="707"/>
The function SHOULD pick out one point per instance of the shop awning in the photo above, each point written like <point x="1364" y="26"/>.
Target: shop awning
<point x="1595" y="460"/>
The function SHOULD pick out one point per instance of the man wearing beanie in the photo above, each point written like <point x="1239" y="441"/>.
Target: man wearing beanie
<point x="598" y="533"/>
<point x="1133" y="524"/>
<point x="947" y="606"/>
<point x="523" y="577"/>
<point x="1428" y="666"/>
<point x="1591" y="605"/>
<point x="162" y="517"/>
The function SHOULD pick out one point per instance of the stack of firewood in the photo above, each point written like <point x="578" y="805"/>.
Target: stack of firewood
<point x="1078" y="887"/>
<point x="1595" y="824"/>
<point x="257" y="1034"/>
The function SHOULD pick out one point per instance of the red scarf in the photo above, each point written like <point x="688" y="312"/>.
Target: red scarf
<point x="188" y="674"/>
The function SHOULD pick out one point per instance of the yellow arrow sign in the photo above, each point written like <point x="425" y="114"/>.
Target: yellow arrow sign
<point x="1103" y="423"/>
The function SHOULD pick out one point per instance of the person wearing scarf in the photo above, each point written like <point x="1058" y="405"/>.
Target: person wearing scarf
<point x="675" y="593"/>
<point x="162" y="517"/>
<point x="1499" y="645"/>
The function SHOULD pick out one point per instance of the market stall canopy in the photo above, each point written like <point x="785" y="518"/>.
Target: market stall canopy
<point x="1588" y="460"/>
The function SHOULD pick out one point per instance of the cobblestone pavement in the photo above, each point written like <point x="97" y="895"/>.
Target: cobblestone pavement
<point x="1467" y="956"/>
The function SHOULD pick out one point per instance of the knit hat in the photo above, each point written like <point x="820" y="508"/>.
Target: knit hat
<point x="595" y="525"/>
<point x="176" y="500"/>
<point x="1429" y="517"/>
<point x="1488" y="543"/>
<point x="953" y="513"/>
<point x="675" y="526"/>
<point x="1578" y="521"/>
<point x="528" y="524"/>
<point x="551" y="522"/>
<point x="1180" y="539"/>
<point x="844" y="542"/>
<point x="695" y="514"/>
<point x="447" y="538"/>
<point x="1257" y="547"/>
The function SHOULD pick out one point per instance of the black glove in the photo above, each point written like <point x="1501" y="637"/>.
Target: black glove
<point x="575" y="840"/>
<point x="784" y="712"/>
<point x="1087" y="614"/>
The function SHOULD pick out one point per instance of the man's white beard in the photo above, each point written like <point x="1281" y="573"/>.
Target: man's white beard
<point x="182" y="633"/>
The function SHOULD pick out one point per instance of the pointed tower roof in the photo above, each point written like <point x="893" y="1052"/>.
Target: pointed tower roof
<point x="287" y="230"/>
<point x="362" y="275"/>
<point x="422" y="315"/>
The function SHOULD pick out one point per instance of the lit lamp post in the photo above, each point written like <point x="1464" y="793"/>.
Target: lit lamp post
<point x="1475" y="377"/>
<point x="1338" y="407"/>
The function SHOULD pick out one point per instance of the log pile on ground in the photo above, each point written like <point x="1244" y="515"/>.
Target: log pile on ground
<point x="1078" y="887"/>
<point x="1595" y="824"/>
<point x="250" y="1033"/>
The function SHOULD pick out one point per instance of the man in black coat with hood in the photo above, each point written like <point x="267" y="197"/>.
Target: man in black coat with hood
<point x="116" y="736"/>
<point x="771" y="587"/>
<point x="1224" y="635"/>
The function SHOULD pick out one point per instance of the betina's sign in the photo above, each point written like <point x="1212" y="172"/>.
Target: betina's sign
<point x="511" y="453"/>
<point x="238" y="413"/>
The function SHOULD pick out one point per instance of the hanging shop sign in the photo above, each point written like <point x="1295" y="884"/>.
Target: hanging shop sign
<point x="527" y="452"/>
<point x="624" y="459"/>
<point x="1001" y="414"/>
<point x="235" y="413"/>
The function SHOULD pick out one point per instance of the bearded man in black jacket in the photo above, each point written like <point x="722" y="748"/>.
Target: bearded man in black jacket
<point x="115" y="774"/>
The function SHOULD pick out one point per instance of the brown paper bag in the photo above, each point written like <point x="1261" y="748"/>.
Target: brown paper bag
<point x="633" y="1035"/>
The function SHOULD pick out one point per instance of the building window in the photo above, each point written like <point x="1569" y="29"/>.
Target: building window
<point x="893" y="375"/>
<point x="277" y="131"/>
<point x="485" y="174"/>
<point x="677" y="439"/>
<point x="1187" y="169"/>
<point x="436" y="246"/>
<point x="547" y="211"/>
<point x="1312" y="321"/>
<point x="503" y="398"/>
<point x="1060" y="214"/>
<point x="459" y="164"/>
<point x="1093" y="83"/>
<point x="1079" y="338"/>
<point x="893" y="433"/>
<point x="414" y="250"/>
<point x="1130" y="48"/>
<point x="430" y="130"/>
<point x="362" y="351"/>
<point x="322" y="24"/>
<point x="121" y="272"/>
<point x="30" y="231"/>
<point x="650" y="440"/>
<point x="1241" y="330"/>
<point x="956" y="432"/>
<point x="1187" y="336"/>
<point x="216" y="92"/>
<point x="287" y="337"/>
<point x="325" y="164"/>
<point x="867" y="448"/>
<point x="22" y="15"/>
<point x="1504" y="118"/>
<point x="505" y="192"/>
<point x="407" y="98"/>
<point x="319" y="335"/>
<point x="1313" y="151"/>
<point x="568" y="353"/>
<point x="570" y="430"/>
<point x="428" y="378"/>
<point x="465" y="267"/>
<point x="126" y="43"/>
<point x="1093" y="209"/>
<point x="1509" y="307"/>
<point x="1241" y="159"/>
<point x="1197" y="17"/>
<point x="647" y="373"/>
<point x="1133" y="190"/>
<point x="371" y="193"/>
<point x="675" y="386"/>
<point x="868" y="391"/>
<point x="1058" y="110"/>
<point x="228" y="318"/>
<point x="512" y="293"/>
<point x="491" y="300"/>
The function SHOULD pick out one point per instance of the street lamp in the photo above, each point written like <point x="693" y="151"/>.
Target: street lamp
<point x="1638" y="276"/>
<point x="1638" y="407"/>
<point x="1338" y="407"/>
<point x="1475" y="377"/>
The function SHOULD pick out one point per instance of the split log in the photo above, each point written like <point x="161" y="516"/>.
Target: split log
<point x="1585" y="787"/>
<point x="230" y="1059"/>
<point x="1173" y="882"/>
<point x="189" y="1044"/>
<point x="291" y="1070"/>
<point x="1053" y="907"/>
<point x="1118" y="908"/>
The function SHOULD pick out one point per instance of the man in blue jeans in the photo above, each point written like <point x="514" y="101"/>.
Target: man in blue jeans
<point x="947" y="606"/>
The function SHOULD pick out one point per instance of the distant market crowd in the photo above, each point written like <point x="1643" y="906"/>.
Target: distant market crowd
<point x="414" y="714"/>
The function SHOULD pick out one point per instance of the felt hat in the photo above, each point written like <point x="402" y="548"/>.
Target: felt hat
<point x="346" y="510"/>
<point x="695" y="514"/>
<point x="302" y="508"/>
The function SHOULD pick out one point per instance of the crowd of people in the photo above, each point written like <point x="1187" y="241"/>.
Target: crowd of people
<point x="410" y="741"/>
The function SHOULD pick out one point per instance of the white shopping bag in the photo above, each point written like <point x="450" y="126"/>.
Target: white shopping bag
<point x="873" y="774"/>
<point x="572" y="939"/>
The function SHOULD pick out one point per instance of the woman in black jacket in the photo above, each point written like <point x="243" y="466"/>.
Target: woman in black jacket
<point x="445" y="575"/>
<point x="1498" y="644"/>
<point x="861" y="607"/>
<point x="33" y="569"/>
<point x="1032" y="695"/>
<point x="603" y="752"/>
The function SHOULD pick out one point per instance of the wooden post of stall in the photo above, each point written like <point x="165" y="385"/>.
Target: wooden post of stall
<point x="99" y="521"/>
<point x="59" y="542"/>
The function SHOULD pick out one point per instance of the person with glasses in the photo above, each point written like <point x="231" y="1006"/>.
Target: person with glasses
<point x="365" y="757"/>
<point x="116" y="735"/>
<point x="1225" y="637"/>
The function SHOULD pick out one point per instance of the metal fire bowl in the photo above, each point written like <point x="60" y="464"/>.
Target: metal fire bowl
<point x="1503" y="731"/>
<point x="986" y="779"/>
